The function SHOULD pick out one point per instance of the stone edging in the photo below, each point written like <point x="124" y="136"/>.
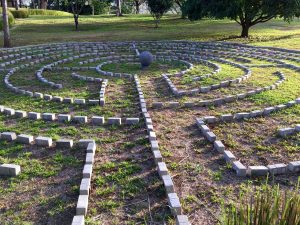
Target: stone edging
<point x="89" y="145"/>
<point x="240" y="169"/>
<point x="163" y="172"/>
<point x="285" y="132"/>
<point x="66" y="118"/>
<point x="221" y="101"/>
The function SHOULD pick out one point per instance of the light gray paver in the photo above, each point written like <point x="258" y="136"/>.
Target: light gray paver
<point x="34" y="115"/>
<point x="80" y="119"/>
<point x="84" y="143"/>
<point x="294" y="166"/>
<point x="64" y="118"/>
<point x="162" y="169"/>
<point x="78" y="220"/>
<point x="8" y="136"/>
<point x="182" y="220"/>
<point x="20" y="114"/>
<point x="25" y="139"/>
<point x="258" y="170"/>
<point x="64" y="143"/>
<point x="114" y="121"/>
<point x="87" y="171"/>
<point x="43" y="141"/>
<point x="85" y="186"/>
<point x="9" y="169"/>
<point x="98" y="120"/>
<point x="82" y="205"/>
<point x="168" y="183"/>
<point x="174" y="204"/>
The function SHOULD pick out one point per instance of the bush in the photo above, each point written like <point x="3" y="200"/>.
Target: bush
<point x="100" y="7"/>
<point x="268" y="206"/>
<point x="46" y="12"/>
<point x="11" y="19"/>
<point x="21" y="13"/>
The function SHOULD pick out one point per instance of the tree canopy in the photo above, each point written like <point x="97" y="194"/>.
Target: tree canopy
<point x="247" y="13"/>
<point x="158" y="8"/>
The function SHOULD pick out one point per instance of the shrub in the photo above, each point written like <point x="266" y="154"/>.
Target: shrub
<point x="100" y="7"/>
<point x="21" y="13"/>
<point x="46" y="12"/>
<point x="158" y="8"/>
<point x="268" y="206"/>
<point x="11" y="19"/>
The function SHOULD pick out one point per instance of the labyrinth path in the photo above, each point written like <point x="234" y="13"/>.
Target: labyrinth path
<point x="87" y="137"/>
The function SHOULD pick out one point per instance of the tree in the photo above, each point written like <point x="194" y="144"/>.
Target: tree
<point x="247" y="13"/>
<point x="17" y="4"/>
<point x="77" y="6"/>
<point x="43" y="4"/>
<point x="137" y="4"/>
<point x="158" y="8"/>
<point x="181" y="4"/>
<point x="118" y="8"/>
<point x="6" y="34"/>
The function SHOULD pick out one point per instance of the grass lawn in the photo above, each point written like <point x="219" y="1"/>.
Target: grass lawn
<point x="43" y="29"/>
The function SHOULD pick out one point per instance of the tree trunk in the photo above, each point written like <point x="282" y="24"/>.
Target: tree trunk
<point x="119" y="10"/>
<point x="17" y="5"/>
<point x="43" y="4"/>
<point x="245" y="30"/>
<point x="137" y="7"/>
<point x="6" y="34"/>
<point x="156" y="23"/>
<point x="76" y="21"/>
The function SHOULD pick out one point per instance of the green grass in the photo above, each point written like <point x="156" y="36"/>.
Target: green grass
<point x="39" y="29"/>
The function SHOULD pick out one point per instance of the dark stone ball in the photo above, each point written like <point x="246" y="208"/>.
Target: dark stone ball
<point x="146" y="58"/>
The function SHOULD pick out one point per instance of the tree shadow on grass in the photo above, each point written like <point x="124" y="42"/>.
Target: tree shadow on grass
<point x="257" y="38"/>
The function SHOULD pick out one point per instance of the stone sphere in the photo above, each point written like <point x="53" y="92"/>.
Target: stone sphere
<point x="146" y="58"/>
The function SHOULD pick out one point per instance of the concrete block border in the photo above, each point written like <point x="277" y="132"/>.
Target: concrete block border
<point x="90" y="147"/>
<point x="162" y="169"/>
<point x="240" y="169"/>
<point x="222" y="100"/>
<point x="67" y="118"/>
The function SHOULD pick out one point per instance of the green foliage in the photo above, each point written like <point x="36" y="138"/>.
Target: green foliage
<point x="246" y="13"/>
<point x="158" y="8"/>
<point x="46" y="12"/>
<point x="11" y="19"/>
<point x="21" y="13"/>
<point x="127" y="7"/>
<point x="268" y="206"/>
<point x="100" y="6"/>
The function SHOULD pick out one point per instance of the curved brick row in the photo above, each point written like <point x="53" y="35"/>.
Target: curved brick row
<point x="206" y="89"/>
<point x="97" y="80"/>
<point x="248" y="115"/>
<point x="55" y="64"/>
<point x="224" y="100"/>
<point x="87" y="78"/>
<point x="129" y="59"/>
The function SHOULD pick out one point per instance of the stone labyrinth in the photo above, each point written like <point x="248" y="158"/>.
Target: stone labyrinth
<point x="89" y="137"/>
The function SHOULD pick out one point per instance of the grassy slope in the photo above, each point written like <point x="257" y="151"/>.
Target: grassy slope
<point x="41" y="29"/>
